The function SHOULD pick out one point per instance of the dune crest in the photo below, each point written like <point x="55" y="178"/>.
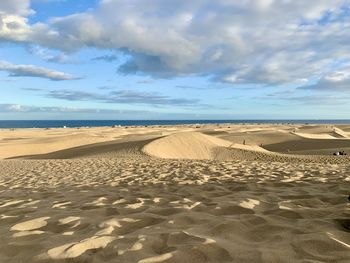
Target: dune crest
<point x="315" y="136"/>
<point x="185" y="145"/>
<point x="320" y="132"/>
<point x="194" y="145"/>
<point x="341" y="133"/>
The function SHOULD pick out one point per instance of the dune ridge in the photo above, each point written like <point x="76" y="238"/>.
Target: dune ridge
<point x="199" y="146"/>
<point x="193" y="145"/>
<point x="185" y="145"/>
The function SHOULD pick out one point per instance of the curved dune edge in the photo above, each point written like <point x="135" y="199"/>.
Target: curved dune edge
<point x="48" y="145"/>
<point x="315" y="136"/>
<point x="253" y="148"/>
<point x="341" y="133"/>
<point x="334" y="133"/>
<point x="199" y="146"/>
<point x="192" y="145"/>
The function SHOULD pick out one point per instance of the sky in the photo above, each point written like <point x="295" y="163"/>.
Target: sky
<point x="167" y="59"/>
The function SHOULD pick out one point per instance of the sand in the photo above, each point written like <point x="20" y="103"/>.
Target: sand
<point x="185" y="145"/>
<point x="175" y="194"/>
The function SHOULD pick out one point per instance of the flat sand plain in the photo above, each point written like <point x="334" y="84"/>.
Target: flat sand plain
<point x="200" y="193"/>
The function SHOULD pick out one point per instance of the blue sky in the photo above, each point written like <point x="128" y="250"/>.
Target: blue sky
<point x="162" y="59"/>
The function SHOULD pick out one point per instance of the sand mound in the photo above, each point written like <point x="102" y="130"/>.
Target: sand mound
<point x="321" y="132"/>
<point x="315" y="136"/>
<point x="186" y="145"/>
<point x="259" y="137"/>
<point x="111" y="149"/>
<point x="341" y="133"/>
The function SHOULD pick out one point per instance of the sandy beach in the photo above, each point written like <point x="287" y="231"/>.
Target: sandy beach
<point x="186" y="193"/>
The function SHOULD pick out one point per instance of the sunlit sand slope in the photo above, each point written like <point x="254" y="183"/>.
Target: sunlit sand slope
<point x="107" y="210"/>
<point x="189" y="145"/>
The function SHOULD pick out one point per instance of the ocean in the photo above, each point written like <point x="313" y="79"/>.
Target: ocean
<point x="7" y="124"/>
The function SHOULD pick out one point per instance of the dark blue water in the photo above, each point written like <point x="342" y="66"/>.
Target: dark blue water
<point x="97" y="123"/>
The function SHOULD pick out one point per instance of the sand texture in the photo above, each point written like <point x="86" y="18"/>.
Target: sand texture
<point x="214" y="193"/>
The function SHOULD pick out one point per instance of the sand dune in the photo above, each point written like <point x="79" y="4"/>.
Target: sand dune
<point x="258" y="138"/>
<point x="194" y="145"/>
<point x="187" y="145"/>
<point x="321" y="132"/>
<point x="326" y="145"/>
<point x="315" y="136"/>
<point x="198" y="144"/>
<point x="115" y="149"/>
<point x="341" y="133"/>
<point x="175" y="194"/>
<point x="315" y="129"/>
<point x="36" y="141"/>
<point x="28" y="142"/>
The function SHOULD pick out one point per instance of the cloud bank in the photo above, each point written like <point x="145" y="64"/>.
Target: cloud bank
<point x="124" y="97"/>
<point x="336" y="81"/>
<point x="18" y="108"/>
<point x="33" y="71"/>
<point x="264" y="42"/>
<point x="19" y="7"/>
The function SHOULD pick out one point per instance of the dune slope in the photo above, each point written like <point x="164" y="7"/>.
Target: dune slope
<point x="186" y="145"/>
<point x="111" y="149"/>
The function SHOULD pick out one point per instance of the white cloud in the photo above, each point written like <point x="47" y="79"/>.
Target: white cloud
<point x="54" y="57"/>
<point x="335" y="81"/>
<point x="338" y="76"/>
<point x="14" y="28"/>
<point x="13" y="22"/>
<point x="19" y="7"/>
<point x="18" y="108"/>
<point x="33" y="71"/>
<point x="124" y="97"/>
<point x="267" y="42"/>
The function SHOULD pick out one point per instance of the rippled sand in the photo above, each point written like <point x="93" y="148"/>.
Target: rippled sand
<point x="173" y="211"/>
<point x="120" y="205"/>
